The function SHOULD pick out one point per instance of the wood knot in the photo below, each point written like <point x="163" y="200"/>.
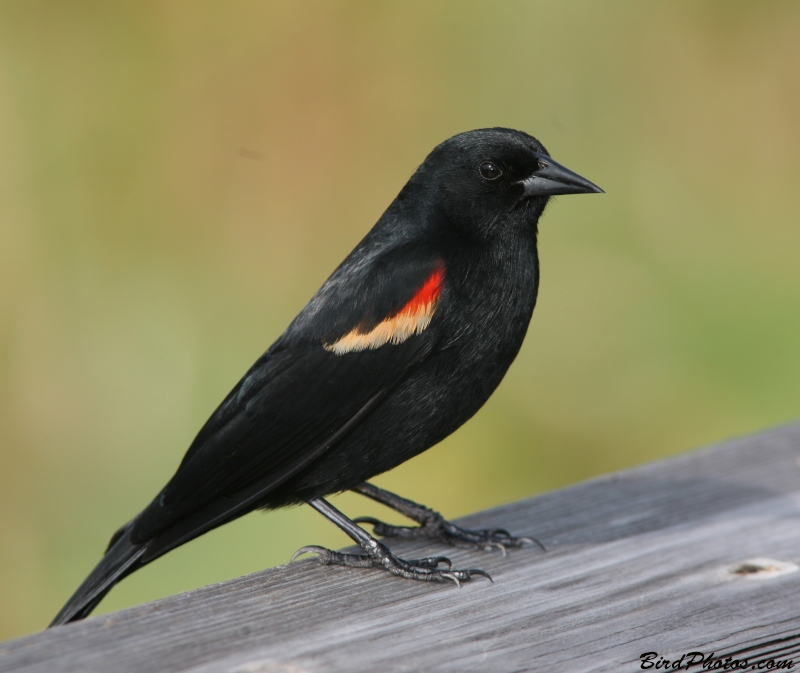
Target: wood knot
<point x="762" y="569"/>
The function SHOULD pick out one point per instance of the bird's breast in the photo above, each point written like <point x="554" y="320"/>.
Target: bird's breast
<point x="492" y="303"/>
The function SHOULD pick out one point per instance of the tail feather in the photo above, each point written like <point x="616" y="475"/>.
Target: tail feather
<point x="121" y="559"/>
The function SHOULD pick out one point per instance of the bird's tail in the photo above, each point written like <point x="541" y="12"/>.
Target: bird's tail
<point x="121" y="559"/>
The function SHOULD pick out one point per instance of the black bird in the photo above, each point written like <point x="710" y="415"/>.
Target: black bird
<point x="400" y="346"/>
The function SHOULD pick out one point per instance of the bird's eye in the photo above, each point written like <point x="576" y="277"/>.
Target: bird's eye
<point x="489" y="171"/>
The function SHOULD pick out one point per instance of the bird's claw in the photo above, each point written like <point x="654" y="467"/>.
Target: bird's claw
<point x="482" y="573"/>
<point x="309" y="549"/>
<point x="425" y="569"/>
<point x="437" y="528"/>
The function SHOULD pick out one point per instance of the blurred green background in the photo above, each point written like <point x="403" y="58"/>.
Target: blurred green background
<point x="177" y="179"/>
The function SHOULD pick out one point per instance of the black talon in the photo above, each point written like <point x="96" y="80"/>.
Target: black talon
<point x="309" y="549"/>
<point x="497" y="545"/>
<point x="533" y="540"/>
<point x="482" y="573"/>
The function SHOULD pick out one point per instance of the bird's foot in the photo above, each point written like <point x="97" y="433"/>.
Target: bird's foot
<point x="379" y="556"/>
<point x="436" y="527"/>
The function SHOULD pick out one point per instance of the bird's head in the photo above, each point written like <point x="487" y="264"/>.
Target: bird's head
<point x="490" y="179"/>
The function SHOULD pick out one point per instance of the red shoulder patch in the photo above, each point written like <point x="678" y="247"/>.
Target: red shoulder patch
<point x="412" y="319"/>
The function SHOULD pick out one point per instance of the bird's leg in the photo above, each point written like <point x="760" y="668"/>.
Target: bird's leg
<point x="434" y="526"/>
<point x="378" y="555"/>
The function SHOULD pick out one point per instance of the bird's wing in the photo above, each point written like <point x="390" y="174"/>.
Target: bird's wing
<point x="353" y="342"/>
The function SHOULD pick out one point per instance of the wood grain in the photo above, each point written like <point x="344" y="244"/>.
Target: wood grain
<point x="637" y="561"/>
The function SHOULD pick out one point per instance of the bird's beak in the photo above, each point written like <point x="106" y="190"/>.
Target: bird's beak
<point x="553" y="178"/>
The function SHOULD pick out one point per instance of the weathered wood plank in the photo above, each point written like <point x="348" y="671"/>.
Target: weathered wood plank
<point x="636" y="562"/>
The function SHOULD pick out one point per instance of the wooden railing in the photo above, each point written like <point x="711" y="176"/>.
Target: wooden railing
<point x="695" y="554"/>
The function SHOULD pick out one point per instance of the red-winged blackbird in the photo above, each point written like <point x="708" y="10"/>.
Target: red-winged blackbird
<point x="401" y="345"/>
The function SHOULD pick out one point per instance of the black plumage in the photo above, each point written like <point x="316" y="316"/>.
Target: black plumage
<point x="401" y="345"/>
